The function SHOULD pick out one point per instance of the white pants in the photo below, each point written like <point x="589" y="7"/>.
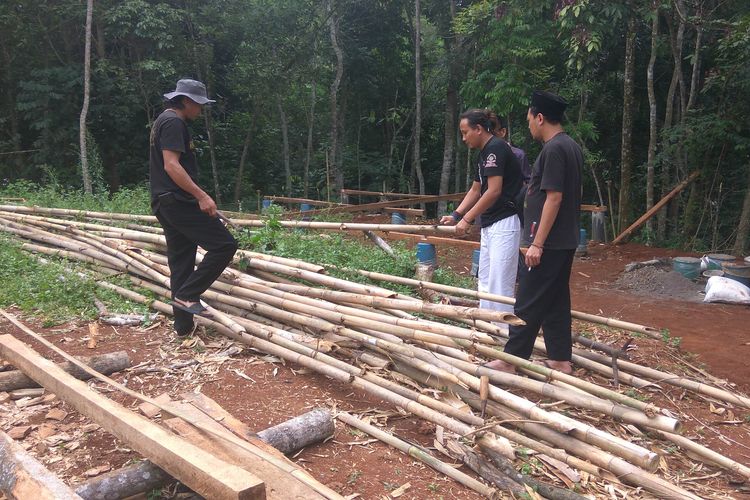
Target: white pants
<point x="498" y="261"/>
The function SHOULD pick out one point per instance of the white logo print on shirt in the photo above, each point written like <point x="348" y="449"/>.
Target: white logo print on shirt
<point x="491" y="161"/>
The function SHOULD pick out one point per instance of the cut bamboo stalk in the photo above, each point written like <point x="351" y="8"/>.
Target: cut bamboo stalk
<point x="388" y="194"/>
<point x="587" y="433"/>
<point x="286" y="199"/>
<point x="78" y="213"/>
<point x="574" y="398"/>
<point x="676" y="380"/>
<point x="22" y="477"/>
<point x="623" y="470"/>
<point x="383" y="204"/>
<point x="349" y="226"/>
<point x="592" y="318"/>
<point x="202" y="472"/>
<point x="420" y="454"/>
<point x="707" y="455"/>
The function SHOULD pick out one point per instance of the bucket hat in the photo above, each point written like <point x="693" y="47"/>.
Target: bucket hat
<point x="193" y="89"/>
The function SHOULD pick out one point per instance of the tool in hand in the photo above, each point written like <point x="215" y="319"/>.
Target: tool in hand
<point x="531" y="235"/>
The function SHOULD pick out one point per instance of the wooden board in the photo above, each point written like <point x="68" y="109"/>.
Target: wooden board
<point x="435" y="240"/>
<point x="384" y="204"/>
<point x="593" y="208"/>
<point x="278" y="486"/>
<point x="22" y="477"/>
<point x="198" y="469"/>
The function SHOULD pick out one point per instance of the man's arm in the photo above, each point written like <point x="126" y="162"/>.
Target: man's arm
<point x="549" y="214"/>
<point x="177" y="173"/>
<point x="469" y="201"/>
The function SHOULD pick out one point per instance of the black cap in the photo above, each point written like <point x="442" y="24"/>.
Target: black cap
<point x="550" y="105"/>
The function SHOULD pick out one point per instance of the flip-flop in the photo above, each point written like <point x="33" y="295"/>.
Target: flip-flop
<point x="195" y="309"/>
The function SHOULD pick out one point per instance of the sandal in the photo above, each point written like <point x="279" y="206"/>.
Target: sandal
<point x="195" y="309"/>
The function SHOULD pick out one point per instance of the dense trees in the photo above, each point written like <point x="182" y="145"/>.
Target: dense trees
<point x="316" y="95"/>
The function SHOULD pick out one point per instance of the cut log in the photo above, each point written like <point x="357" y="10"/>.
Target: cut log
<point x="289" y="437"/>
<point x="199" y="470"/>
<point x="103" y="363"/>
<point x="23" y="477"/>
<point x="312" y="427"/>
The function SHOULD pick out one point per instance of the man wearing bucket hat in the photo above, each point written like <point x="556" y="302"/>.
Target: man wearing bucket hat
<point x="186" y="212"/>
<point x="551" y="221"/>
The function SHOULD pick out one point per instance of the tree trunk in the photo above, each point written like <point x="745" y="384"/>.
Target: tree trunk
<point x="451" y="113"/>
<point x="243" y="159"/>
<point x="212" y="153"/>
<point x="626" y="152"/>
<point x="666" y="177"/>
<point x="86" y="96"/>
<point x="743" y="227"/>
<point x="285" y="146"/>
<point x="652" y="137"/>
<point x="308" y="149"/>
<point x="338" y="174"/>
<point x="418" y="95"/>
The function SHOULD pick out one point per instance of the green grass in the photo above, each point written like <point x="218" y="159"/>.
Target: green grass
<point x="52" y="290"/>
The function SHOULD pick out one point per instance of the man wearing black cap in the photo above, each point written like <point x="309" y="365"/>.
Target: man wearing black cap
<point x="187" y="214"/>
<point x="551" y="231"/>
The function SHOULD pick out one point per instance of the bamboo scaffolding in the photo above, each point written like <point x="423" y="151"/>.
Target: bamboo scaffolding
<point x="420" y="454"/>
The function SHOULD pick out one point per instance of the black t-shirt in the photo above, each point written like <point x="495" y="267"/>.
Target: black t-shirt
<point x="557" y="168"/>
<point x="170" y="132"/>
<point x="496" y="158"/>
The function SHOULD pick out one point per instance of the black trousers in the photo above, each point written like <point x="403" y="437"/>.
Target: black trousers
<point x="186" y="227"/>
<point x="543" y="300"/>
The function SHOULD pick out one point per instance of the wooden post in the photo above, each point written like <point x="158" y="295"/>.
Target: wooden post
<point x="201" y="471"/>
<point x="635" y="225"/>
<point x="23" y="477"/>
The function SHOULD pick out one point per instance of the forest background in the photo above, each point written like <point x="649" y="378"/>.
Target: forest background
<point x="317" y="95"/>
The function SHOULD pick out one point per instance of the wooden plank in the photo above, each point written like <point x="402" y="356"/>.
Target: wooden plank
<point x="436" y="240"/>
<point x="287" y="199"/>
<point x="23" y="477"/>
<point x="278" y="486"/>
<point x="384" y="194"/>
<point x="198" y="469"/>
<point x="384" y="204"/>
<point x="593" y="208"/>
<point x="417" y="212"/>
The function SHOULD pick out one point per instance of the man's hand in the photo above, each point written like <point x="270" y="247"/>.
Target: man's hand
<point x="447" y="220"/>
<point x="463" y="227"/>
<point x="533" y="256"/>
<point x="207" y="204"/>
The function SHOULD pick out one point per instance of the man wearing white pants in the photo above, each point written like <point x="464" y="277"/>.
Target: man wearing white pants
<point x="491" y="198"/>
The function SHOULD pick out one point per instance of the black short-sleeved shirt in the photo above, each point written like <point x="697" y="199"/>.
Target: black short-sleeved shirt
<point x="557" y="168"/>
<point x="170" y="132"/>
<point x="496" y="158"/>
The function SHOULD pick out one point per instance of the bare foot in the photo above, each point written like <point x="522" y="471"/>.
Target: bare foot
<point x="562" y="366"/>
<point x="501" y="366"/>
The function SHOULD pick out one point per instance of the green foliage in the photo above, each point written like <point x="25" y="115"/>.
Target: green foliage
<point x="49" y="288"/>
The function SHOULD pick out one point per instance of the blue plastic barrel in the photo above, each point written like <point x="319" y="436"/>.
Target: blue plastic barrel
<point x="582" y="242"/>
<point x="717" y="260"/>
<point x="475" y="263"/>
<point x="398" y="218"/>
<point x="426" y="254"/>
<point x="266" y="204"/>
<point x="738" y="272"/>
<point x="305" y="207"/>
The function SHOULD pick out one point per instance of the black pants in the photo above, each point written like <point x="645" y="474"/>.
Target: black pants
<point x="543" y="300"/>
<point x="186" y="227"/>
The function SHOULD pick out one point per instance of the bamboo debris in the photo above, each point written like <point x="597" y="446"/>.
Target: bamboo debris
<point x="420" y="454"/>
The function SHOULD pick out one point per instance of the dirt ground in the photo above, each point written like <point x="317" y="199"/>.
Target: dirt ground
<point x="263" y="391"/>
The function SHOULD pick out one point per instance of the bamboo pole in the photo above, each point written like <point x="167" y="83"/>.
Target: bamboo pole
<point x="592" y="318"/>
<point x="623" y="470"/>
<point x="349" y="226"/>
<point x="420" y="454"/>
<point x="707" y="455"/>
<point x="77" y="213"/>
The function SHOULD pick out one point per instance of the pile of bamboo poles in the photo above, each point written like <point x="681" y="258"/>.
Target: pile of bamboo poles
<point x="294" y="310"/>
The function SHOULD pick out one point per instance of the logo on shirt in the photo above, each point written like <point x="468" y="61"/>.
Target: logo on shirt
<point x="491" y="161"/>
